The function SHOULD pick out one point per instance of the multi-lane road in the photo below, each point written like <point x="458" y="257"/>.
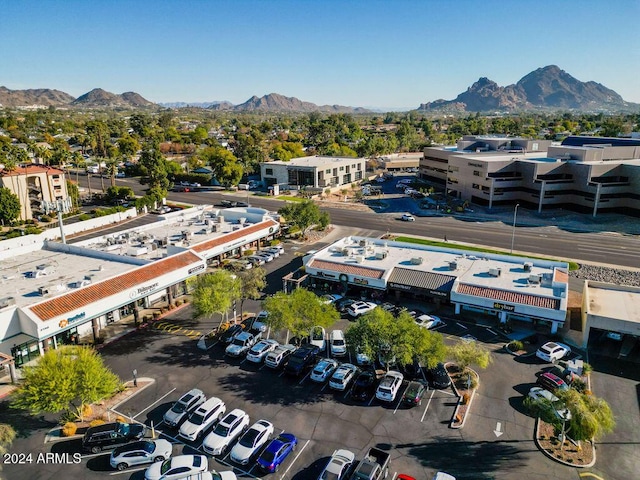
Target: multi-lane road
<point x="558" y="242"/>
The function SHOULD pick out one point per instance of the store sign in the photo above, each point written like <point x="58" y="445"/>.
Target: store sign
<point x="327" y="275"/>
<point x="504" y="307"/>
<point x="143" y="290"/>
<point x="67" y="321"/>
<point x="400" y="286"/>
<point x="361" y="281"/>
<point x="438" y="293"/>
<point x="196" y="269"/>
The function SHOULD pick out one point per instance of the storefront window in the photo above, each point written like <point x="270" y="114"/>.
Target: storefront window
<point x="25" y="352"/>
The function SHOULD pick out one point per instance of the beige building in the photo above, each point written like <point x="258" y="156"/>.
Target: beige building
<point x="587" y="174"/>
<point x="400" y="161"/>
<point x="314" y="172"/>
<point x="39" y="188"/>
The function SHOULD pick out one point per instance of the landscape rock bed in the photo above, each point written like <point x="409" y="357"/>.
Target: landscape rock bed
<point x="597" y="273"/>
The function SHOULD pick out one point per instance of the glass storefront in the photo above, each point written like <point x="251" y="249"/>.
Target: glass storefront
<point x="25" y="352"/>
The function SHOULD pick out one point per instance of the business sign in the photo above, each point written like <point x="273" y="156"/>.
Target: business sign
<point x="504" y="307"/>
<point x="196" y="269"/>
<point x="361" y="281"/>
<point x="143" y="290"/>
<point x="68" y="321"/>
<point x="409" y="288"/>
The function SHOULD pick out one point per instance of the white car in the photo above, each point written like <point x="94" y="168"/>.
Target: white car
<point x="213" y="475"/>
<point x="407" y="217"/>
<point x="273" y="251"/>
<point x="428" y="321"/>
<point x="277" y="358"/>
<point x="185" y="404"/>
<point x="338" y="465"/>
<point x="278" y="247"/>
<point x="323" y="369"/>
<point x="317" y="338"/>
<point x="205" y="416"/>
<point x="240" y="344"/>
<point x="251" y="441"/>
<point x="268" y="257"/>
<point x="553" y="351"/>
<point x="361" y="358"/>
<point x="227" y="430"/>
<point x="260" y="350"/>
<point x="360" y="308"/>
<point x="343" y="376"/>
<point x="337" y="344"/>
<point x="540" y="394"/>
<point x="141" y="452"/>
<point x="389" y="386"/>
<point x="178" y="467"/>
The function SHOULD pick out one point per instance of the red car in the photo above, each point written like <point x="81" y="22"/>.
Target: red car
<point x="551" y="382"/>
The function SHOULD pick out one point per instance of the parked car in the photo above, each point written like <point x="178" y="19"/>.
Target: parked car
<point x="255" y="260"/>
<point x="438" y="377"/>
<point x="202" y="418"/>
<point x="317" y="338"/>
<point x="251" y="441"/>
<point x="344" y="303"/>
<point x="362" y="358"/>
<point x="179" y="467"/>
<point x="139" y="453"/>
<point x="553" y="351"/>
<point x="364" y="386"/>
<point x="343" y="376"/>
<point x="278" y="357"/>
<point x="260" y="350"/>
<point x="227" y="430"/>
<point x="389" y="386"/>
<point x="413" y="394"/>
<point x="301" y="359"/>
<point x="337" y="344"/>
<point x="407" y="217"/>
<point x="240" y="344"/>
<point x="268" y="257"/>
<point x="338" y="466"/>
<point x="276" y="252"/>
<point x="111" y="435"/>
<point x="539" y="394"/>
<point x="323" y="369"/>
<point x="360" y="308"/>
<point x="428" y="321"/>
<point x="551" y="382"/>
<point x="331" y="298"/>
<point x="230" y="333"/>
<point x="276" y="452"/>
<point x="185" y="404"/>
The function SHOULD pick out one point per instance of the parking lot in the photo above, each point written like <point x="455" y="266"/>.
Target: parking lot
<point x="496" y="441"/>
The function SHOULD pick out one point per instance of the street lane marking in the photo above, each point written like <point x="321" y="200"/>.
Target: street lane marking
<point x="461" y="326"/>
<point x="433" y="392"/>
<point x="294" y="459"/>
<point x="159" y="400"/>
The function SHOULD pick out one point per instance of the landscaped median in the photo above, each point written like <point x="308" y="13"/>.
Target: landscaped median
<point x="465" y="383"/>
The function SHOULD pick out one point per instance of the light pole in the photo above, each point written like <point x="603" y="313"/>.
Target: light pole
<point x="513" y="229"/>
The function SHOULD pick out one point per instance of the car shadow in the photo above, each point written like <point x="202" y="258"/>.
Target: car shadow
<point x="312" y="471"/>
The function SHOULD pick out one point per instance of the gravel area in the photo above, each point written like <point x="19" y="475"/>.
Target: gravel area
<point x="607" y="274"/>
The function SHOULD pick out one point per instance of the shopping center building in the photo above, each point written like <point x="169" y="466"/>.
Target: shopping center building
<point x="56" y="292"/>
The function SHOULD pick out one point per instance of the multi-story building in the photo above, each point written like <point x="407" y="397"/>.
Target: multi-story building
<point x="314" y="172"/>
<point x="587" y="174"/>
<point x="40" y="189"/>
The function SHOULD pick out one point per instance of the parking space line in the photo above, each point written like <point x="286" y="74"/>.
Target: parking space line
<point x="371" y="400"/>
<point x="294" y="459"/>
<point x="433" y="392"/>
<point x="489" y="330"/>
<point x="93" y="455"/>
<point x="323" y="387"/>
<point x="461" y="326"/>
<point x="159" y="400"/>
<point x="400" y="401"/>
<point x="129" y="470"/>
<point x="281" y="373"/>
<point x="304" y="378"/>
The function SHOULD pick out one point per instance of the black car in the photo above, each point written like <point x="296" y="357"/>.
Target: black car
<point x="301" y="359"/>
<point x="229" y="334"/>
<point x="412" y="371"/>
<point x="364" y="386"/>
<point x="227" y="203"/>
<point x="342" y="304"/>
<point x="413" y="394"/>
<point x="111" y="435"/>
<point x="438" y="377"/>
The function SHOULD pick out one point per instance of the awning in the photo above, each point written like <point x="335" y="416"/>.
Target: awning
<point x="418" y="281"/>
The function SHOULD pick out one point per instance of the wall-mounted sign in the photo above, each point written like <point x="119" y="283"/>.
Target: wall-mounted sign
<point x="196" y="269"/>
<point x="361" y="281"/>
<point x="66" y="321"/>
<point x="143" y="290"/>
<point x="504" y="307"/>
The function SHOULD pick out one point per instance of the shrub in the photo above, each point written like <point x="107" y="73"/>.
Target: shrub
<point x="84" y="216"/>
<point x="68" y="416"/>
<point x="45" y="218"/>
<point x="69" y="429"/>
<point x="465" y="399"/>
<point x="579" y="385"/>
<point x="516" y="345"/>
<point x="96" y="422"/>
<point x="85" y="411"/>
<point x="248" y="252"/>
<point x="273" y="243"/>
<point x="586" y="368"/>
<point x="120" y="419"/>
<point x="7" y="434"/>
<point x="156" y="315"/>
<point x="146" y="318"/>
<point x="178" y="303"/>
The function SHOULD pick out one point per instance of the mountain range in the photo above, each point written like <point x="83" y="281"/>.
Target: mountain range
<point x="547" y="88"/>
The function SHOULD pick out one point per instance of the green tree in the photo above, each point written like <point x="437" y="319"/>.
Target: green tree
<point x="65" y="379"/>
<point x="74" y="193"/>
<point x="468" y="353"/>
<point x="304" y="215"/>
<point x="155" y="166"/>
<point x="215" y="292"/>
<point x="396" y="340"/>
<point x="299" y="311"/>
<point x="9" y="206"/>
<point x="225" y="166"/>
<point x="591" y="417"/>
<point x="253" y="282"/>
<point x="128" y="146"/>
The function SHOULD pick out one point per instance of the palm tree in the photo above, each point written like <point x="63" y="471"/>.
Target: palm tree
<point x="112" y="170"/>
<point x="101" y="170"/>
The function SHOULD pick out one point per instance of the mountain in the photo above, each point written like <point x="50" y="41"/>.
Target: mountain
<point x="545" y="88"/>
<point x="275" y="102"/>
<point x="39" y="96"/>
<point x="101" y="98"/>
<point x="195" y="104"/>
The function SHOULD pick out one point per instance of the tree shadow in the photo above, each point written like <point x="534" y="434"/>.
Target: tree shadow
<point x="186" y="354"/>
<point x="274" y="278"/>
<point x="23" y="422"/>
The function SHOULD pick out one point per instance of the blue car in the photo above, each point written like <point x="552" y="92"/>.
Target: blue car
<point x="278" y="449"/>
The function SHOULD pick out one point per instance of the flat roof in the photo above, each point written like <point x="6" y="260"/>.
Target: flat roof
<point x="614" y="301"/>
<point x="314" y="161"/>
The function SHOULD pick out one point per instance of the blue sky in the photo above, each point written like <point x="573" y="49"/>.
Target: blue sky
<point x="393" y="53"/>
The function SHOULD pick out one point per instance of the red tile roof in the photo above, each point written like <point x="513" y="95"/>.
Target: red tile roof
<point x="32" y="168"/>
<point x="507" y="296"/>
<point x="358" y="270"/>
<point x="229" y="237"/>
<point x="92" y="293"/>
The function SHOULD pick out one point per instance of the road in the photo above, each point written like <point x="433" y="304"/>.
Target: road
<point x="608" y="248"/>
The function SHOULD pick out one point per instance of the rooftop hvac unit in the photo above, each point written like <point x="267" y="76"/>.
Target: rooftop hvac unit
<point x="214" y="228"/>
<point x="345" y="252"/>
<point x="495" y="272"/>
<point x="220" y="219"/>
<point x="381" y="255"/>
<point x="359" y="259"/>
<point x="527" y="266"/>
<point x="453" y="265"/>
<point x="363" y="242"/>
<point x="416" y="261"/>
<point x="534" y="278"/>
<point x="44" y="290"/>
<point x="7" y="301"/>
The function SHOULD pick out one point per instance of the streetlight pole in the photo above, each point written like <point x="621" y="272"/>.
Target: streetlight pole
<point x="513" y="229"/>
